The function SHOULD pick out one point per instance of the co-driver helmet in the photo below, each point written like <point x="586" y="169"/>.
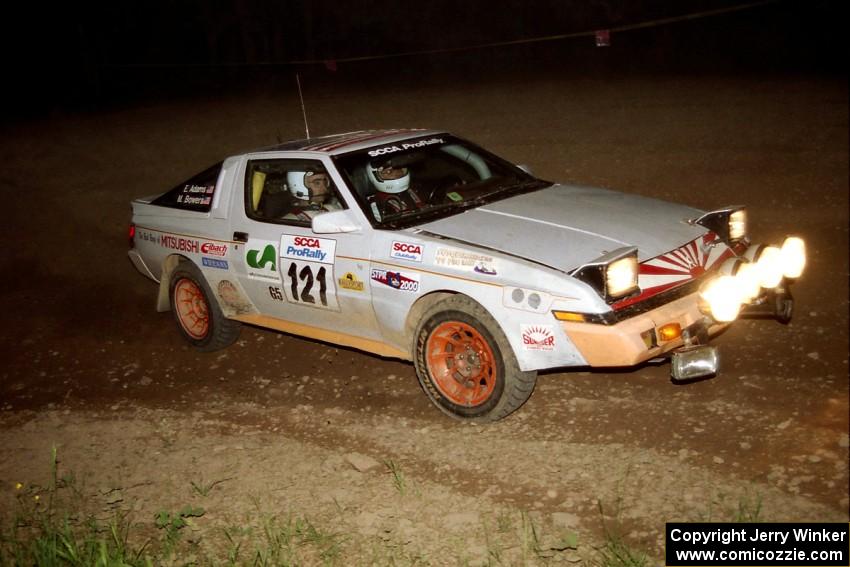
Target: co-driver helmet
<point x="297" y="182"/>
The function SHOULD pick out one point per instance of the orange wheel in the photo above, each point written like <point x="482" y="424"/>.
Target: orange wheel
<point x="197" y="312"/>
<point x="191" y="307"/>
<point x="465" y="364"/>
<point x="461" y="363"/>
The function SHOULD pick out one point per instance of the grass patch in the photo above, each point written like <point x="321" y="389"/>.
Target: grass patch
<point x="615" y="550"/>
<point x="399" y="481"/>
<point x="57" y="525"/>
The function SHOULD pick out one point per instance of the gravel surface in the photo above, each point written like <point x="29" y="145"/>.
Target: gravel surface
<point x="282" y="425"/>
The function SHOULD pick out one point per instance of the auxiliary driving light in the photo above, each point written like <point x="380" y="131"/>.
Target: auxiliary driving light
<point x="749" y="281"/>
<point x="694" y="362"/>
<point x="793" y="256"/>
<point x="769" y="265"/>
<point x="723" y="295"/>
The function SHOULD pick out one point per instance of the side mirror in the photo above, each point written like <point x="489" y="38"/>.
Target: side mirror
<point x="525" y="168"/>
<point x="334" y="222"/>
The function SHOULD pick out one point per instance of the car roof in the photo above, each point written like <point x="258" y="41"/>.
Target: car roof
<point x="348" y="142"/>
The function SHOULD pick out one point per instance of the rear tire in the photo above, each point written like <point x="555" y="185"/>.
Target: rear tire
<point x="465" y="364"/>
<point x="196" y="311"/>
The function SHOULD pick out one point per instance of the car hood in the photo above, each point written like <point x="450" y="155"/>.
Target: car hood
<point x="567" y="226"/>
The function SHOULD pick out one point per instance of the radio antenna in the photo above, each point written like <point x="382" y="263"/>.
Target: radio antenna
<point x="303" y="109"/>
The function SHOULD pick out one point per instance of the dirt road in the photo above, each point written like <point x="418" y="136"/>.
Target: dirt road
<point x="290" y="425"/>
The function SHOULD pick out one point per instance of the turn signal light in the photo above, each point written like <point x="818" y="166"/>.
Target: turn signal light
<point x="569" y="316"/>
<point x="669" y="332"/>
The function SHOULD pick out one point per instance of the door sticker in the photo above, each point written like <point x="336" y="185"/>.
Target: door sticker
<point x="397" y="280"/>
<point x="309" y="283"/>
<point x="308" y="248"/>
<point x="307" y="270"/>
<point x="261" y="260"/>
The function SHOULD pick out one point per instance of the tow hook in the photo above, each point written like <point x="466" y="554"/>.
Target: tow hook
<point x="694" y="360"/>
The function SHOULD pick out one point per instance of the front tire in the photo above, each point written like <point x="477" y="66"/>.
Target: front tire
<point x="198" y="316"/>
<point x="465" y="364"/>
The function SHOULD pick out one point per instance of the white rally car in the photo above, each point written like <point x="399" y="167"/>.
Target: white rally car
<point x="419" y="245"/>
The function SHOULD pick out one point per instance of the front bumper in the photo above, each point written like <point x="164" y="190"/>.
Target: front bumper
<point x="636" y="339"/>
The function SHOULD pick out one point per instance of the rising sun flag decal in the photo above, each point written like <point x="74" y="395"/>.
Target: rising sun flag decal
<point x="678" y="267"/>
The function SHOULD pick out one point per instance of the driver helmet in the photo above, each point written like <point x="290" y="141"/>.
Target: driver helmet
<point x="310" y="186"/>
<point x="388" y="178"/>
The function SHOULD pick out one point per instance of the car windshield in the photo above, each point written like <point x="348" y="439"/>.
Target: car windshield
<point x="406" y="183"/>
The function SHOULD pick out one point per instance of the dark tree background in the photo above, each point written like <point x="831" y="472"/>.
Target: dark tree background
<point x="93" y="54"/>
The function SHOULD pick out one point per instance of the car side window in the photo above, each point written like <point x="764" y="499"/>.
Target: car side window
<point x="289" y="191"/>
<point x="195" y="194"/>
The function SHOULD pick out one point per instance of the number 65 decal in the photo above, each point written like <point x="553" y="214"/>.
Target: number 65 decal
<point x="310" y="284"/>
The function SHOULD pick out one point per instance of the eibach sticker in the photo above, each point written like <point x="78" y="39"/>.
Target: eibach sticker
<point x="213" y="249"/>
<point x="396" y="280"/>
<point x="537" y="337"/>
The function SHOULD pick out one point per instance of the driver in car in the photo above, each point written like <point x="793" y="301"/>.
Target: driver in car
<point x="394" y="193"/>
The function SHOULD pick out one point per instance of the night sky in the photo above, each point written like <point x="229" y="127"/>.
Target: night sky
<point x="88" y="55"/>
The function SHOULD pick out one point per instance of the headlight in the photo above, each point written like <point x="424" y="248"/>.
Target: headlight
<point x="793" y="254"/>
<point x="621" y="276"/>
<point x="613" y="276"/>
<point x="728" y="223"/>
<point x="738" y="225"/>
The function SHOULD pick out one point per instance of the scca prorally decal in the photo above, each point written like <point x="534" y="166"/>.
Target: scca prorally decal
<point x="404" y="146"/>
<point x="215" y="263"/>
<point x="537" y="337"/>
<point x="406" y="251"/>
<point x="177" y="243"/>
<point x="396" y="280"/>
<point x="214" y="249"/>
<point x="307" y="248"/>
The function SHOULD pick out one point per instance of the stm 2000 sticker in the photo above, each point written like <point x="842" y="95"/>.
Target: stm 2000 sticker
<point x="397" y="280"/>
